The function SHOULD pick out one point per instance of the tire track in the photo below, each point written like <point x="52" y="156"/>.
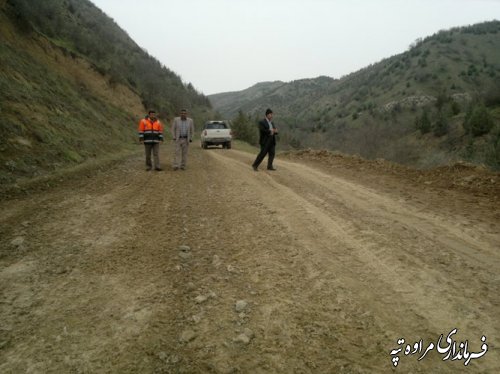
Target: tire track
<point x="308" y="199"/>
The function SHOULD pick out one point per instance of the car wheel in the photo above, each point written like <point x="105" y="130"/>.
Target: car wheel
<point x="228" y="145"/>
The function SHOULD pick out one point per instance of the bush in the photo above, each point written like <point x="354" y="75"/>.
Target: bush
<point x="423" y="123"/>
<point x="491" y="95"/>
<point x="493" y="157"/>
<point x="441" y="126"/>
<point x="478" y="120"/>
<point x="472" y="70"/>
<point x="442" y="99"/>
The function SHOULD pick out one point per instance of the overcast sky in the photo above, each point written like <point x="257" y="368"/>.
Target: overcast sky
<point x="229" y="45"/>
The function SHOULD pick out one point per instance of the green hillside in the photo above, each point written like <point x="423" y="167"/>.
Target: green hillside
<point x="290" y="97"/>
<point x="73" y="86"/>
<point x="450" y="80"/>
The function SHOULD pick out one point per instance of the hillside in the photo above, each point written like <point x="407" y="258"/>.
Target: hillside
<point x="376" y="112"/>
<point x="73" y="86"/>
<point x="277" y="93"/>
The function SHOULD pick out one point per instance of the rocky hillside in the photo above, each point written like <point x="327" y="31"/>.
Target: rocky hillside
<point x="73" y="86"/>
<point x="423" y="107"/>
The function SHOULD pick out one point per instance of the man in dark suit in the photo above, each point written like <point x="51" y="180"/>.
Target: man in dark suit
<point x="267" y="141"/>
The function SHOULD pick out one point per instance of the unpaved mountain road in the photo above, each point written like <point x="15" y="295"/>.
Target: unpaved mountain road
<point x="333" y="267"/>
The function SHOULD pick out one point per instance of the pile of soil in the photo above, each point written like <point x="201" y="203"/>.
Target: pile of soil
<point x="462" y="176"/>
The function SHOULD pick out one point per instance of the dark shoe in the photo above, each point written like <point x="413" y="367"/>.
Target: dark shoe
<point x="175" y="168"/>
<point x="148" y="169"/>
<point x="158" y="169"/>
<point x="255" y="168"/>
<point x="271" y="168"/>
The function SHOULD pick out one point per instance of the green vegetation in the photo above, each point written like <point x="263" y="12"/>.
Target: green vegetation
<point x="478" y="120"/>
<point x="441" y="127"/>
<point x="73" y="86"/>
<point x="423" y="122"/>
<point x="84" y="30"/>
<point x="245" y="128"/>
<point x="408" y="108"/>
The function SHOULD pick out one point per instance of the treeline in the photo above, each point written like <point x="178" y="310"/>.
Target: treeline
<point x="82" y="29"/>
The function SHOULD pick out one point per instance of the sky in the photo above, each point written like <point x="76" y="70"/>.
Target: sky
<point x="230" y="45"/>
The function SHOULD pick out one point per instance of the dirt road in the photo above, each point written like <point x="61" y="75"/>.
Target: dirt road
<point x="221" y="269"/>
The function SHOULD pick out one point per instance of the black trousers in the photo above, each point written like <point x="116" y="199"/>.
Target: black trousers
<point x="267" y="148"/>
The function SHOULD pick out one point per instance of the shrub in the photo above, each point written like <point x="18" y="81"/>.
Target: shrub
<point x="442" y="99"/>
<point x="492" y="94"/>
<point x="478" y="120"/>
<point x="423" y="123"/>
<point x="440" y="128"/>
<point x="472" y="70"/>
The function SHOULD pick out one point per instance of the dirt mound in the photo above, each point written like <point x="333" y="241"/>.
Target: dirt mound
<point x="460" y="176"/>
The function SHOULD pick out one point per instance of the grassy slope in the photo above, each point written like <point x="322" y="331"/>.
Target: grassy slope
<point x="62" y="101"/>
<point x="56" y="110"/>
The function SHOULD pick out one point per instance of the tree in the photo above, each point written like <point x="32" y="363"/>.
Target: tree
<point x="244" y="128"/>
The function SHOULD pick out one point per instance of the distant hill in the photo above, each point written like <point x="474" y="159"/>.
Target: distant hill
<point x="297" y="95"/>
<point x="420" y="107"/>
<point x="73" y="86"/>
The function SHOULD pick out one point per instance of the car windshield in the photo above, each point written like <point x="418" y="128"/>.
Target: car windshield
<point x="216" y="126"/>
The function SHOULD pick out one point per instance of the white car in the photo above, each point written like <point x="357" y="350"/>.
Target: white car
<point x="216" y="133"/>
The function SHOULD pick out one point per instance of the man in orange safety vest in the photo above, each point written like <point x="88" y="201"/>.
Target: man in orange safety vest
<point x="151" y="134"/>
